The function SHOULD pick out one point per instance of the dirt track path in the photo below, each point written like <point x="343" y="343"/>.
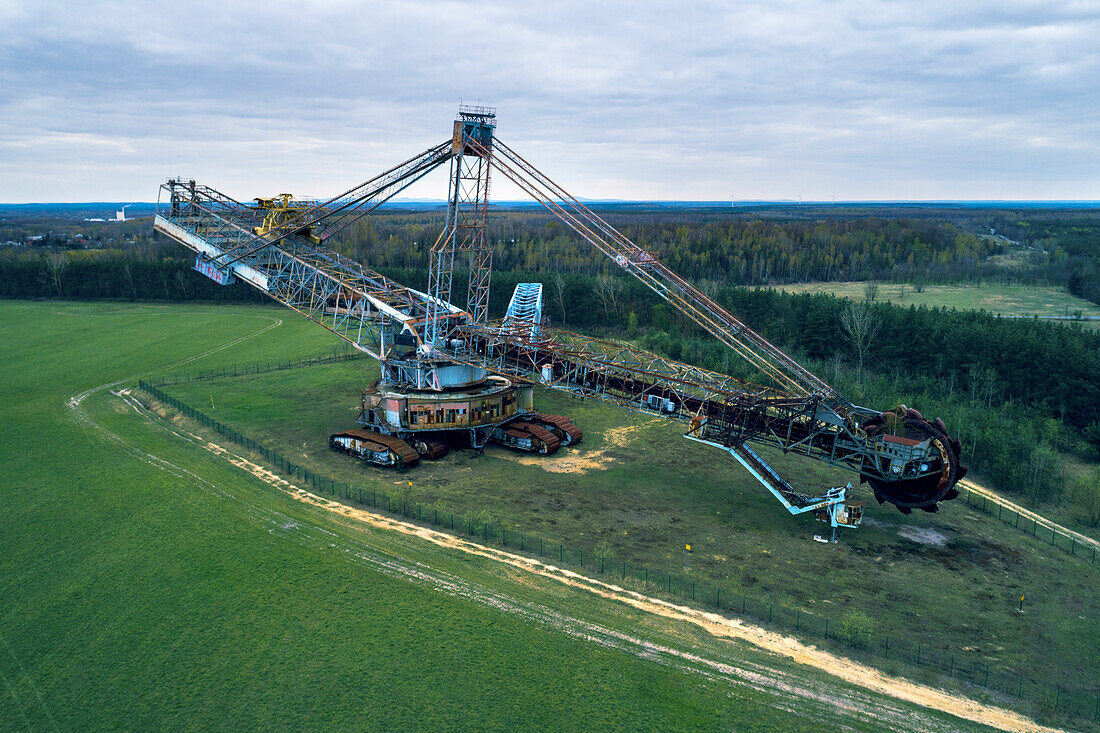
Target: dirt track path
<point x="1038" y="518"/>
<point x="855" y="673"/>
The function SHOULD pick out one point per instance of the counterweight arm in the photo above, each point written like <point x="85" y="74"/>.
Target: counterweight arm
<point x="331" y="216"/>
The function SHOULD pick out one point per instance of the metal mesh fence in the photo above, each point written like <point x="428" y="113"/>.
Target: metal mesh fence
<point x="1030" y="525"/>
<point x="245" y="369"/>
<point x="858" y="642"/>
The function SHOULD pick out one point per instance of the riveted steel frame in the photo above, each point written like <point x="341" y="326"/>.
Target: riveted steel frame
<point x="467" y="219"/>
<point x="333" y="215"/>
<point x="645" y="266"/>
<point x="359" y="305"/>
<point x="719" y="409"/>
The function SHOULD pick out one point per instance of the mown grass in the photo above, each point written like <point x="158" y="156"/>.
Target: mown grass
<point x="140" y="598"/>
<point x="654" y="492"/>
<point x="999" y="299"/>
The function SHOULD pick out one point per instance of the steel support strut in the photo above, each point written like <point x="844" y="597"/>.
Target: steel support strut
<point x="467" y="218"/>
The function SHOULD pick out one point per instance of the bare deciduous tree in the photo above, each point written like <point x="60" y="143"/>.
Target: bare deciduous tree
<point x="607" y="290"/>
<point x="559" y="291"/>
<point x="983" y="384"/>
<point x="861" y="326"/>
<point x="870" y="290"/>
<point x="57" y="264"/>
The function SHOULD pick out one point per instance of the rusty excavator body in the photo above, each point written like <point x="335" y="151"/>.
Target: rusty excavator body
<point x="452" y="375"/>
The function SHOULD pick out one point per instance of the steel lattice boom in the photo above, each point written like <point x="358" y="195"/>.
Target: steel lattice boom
<point x="426" y="343"/>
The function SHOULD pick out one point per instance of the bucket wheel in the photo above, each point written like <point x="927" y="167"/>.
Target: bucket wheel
<point x="937" y="482"/>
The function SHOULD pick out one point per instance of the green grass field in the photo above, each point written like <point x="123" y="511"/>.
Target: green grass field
<point x="636" y="487"/>
<point x="146" y="585"/>
<point x="1007" y="300"/>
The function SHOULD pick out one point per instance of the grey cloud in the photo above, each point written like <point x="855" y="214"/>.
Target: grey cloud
<point x="626" y="100"/>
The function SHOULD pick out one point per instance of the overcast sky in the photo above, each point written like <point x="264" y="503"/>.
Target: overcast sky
<point x="747" y="100"/>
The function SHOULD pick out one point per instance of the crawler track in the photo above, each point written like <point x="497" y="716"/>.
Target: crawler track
<point x="406" y="455"/>
<point x="549" y="441"/>
<point x="570" y="433"/>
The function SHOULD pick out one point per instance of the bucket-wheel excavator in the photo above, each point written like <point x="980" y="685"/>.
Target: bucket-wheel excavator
<point x="451" y="375"/>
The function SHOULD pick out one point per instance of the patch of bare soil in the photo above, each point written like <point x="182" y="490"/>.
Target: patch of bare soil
<point x="576" y="459"/>
<point x="924" y="536"/>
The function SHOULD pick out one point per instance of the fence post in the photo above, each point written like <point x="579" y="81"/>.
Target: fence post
<point x="624" y="571"/>
<point x="718" y="600"/>
<point x="769" y="613"/>
<point x="886" y="652"/>
<point x="826" y="628"/>
<point x="918" y="653"/>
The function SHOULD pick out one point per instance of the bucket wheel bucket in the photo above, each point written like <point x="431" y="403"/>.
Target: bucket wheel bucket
<point x="945" y="468"/>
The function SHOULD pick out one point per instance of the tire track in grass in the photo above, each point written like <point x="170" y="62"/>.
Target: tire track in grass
<point x="34" y="687"/>
<point x="794" y="691"/>
<point x="857" y="674"/>
<point x="75" y="401"/>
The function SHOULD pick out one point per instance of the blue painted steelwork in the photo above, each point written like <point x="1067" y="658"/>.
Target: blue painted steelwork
<point x="524" y="315"/>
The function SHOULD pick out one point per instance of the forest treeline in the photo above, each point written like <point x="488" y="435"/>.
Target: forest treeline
<point x="733" y="251"/>
<point x="1053" y="367"/>
<point x="1015" y="390"/>
<point x="1079" y="238"/>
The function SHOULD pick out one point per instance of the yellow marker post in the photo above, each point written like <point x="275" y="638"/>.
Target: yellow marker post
<point x="687" y="557"/>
